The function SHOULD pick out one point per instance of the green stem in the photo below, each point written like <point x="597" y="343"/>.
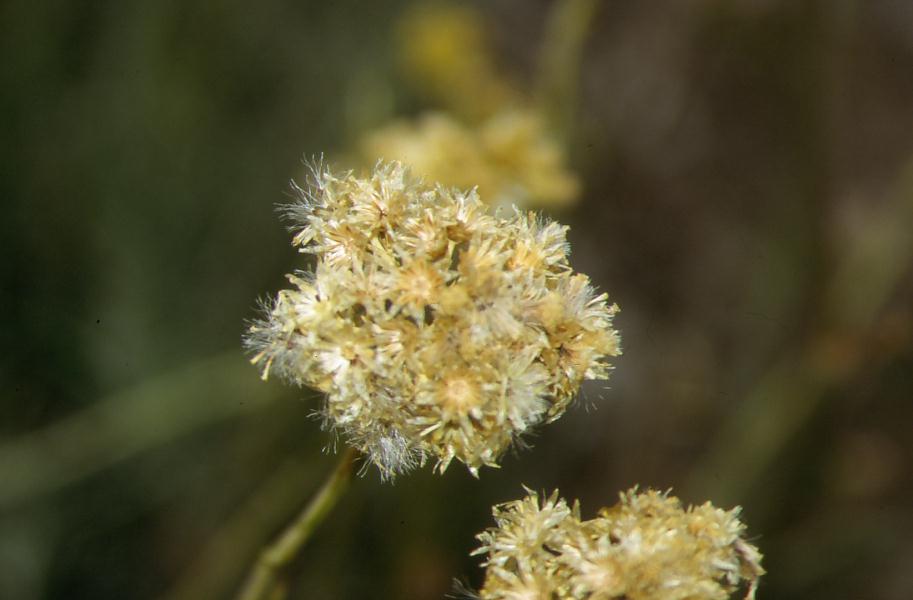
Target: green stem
<point x="227" y="554"/>
<point x="114" y="429"/>
<point x="566" y="31"/>
<point x="263" y="580"/>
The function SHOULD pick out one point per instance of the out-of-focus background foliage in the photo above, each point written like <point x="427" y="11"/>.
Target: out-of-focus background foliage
<point x="746" y="173"/>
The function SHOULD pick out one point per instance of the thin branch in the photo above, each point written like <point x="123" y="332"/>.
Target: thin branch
<point x="126" y="423"/>
<point x="872" y="266"/>
<point x="566" y="31"/>
<point x="263" y="581"/>
<point x="228" y="552"/>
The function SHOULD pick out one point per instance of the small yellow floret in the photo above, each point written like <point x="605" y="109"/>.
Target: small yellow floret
<point x="646" y="547"/>
<point x="509" y="157"/>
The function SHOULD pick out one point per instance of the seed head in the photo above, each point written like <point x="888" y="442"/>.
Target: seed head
<point x="646" y="547"/>
<point x="435" y="329"/>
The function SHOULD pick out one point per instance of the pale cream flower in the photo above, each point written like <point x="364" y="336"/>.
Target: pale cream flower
<point x="435" y="328"/>
<point x="646" y="547"/>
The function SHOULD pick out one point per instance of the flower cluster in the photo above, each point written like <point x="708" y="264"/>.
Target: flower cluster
<point x="509" y="157"/>
<point x="435" y="329"/>
<point x="646" y="547"/>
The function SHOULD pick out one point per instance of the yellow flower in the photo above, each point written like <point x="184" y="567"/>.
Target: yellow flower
<point x="646" y="547"/>
<point x="436" y="329"/>
<point x="510" y="157"/>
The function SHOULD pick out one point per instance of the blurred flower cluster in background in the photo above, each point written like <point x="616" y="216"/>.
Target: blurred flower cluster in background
<point x="737" y="174"/>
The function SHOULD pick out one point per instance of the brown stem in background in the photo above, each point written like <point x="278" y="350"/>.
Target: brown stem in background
<point x="872" y="266"/>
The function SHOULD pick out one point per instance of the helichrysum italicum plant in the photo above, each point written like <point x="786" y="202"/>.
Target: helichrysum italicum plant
<point x="434" y="328"/>
<point x="646" y="547"/>
<point x="510" y="157"/>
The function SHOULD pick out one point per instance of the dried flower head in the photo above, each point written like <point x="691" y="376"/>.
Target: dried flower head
<point x="509" y="158"/>
<point x="646" y="547"/>
<point x="435" y="328"/>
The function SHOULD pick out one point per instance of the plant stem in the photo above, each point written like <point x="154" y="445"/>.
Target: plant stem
<point x="216" y="569"/>
<point x="263" y="581"/>
<point x="872" y="266"/>
<point x="566" y="31"/>
<point x="112" y="430"/>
